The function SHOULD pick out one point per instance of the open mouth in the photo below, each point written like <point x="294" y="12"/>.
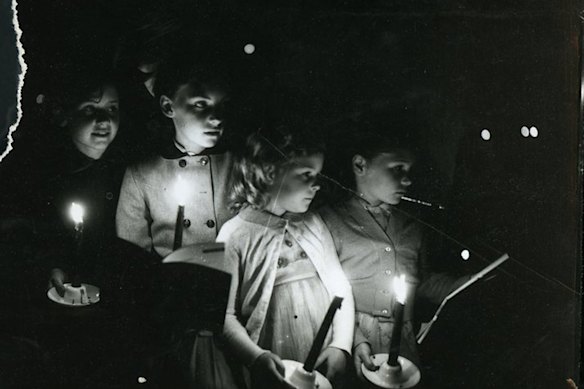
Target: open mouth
<point x="101" y="134"/>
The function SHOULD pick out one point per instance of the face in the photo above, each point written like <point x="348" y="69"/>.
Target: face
<point x="383" y="178"/>
<point x="295" y="186"/>
<point x="94" y="122"/>
<point x="197" y="114"/>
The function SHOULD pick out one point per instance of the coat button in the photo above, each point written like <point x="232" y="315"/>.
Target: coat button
<point x="385" y="311"/>
<point x="109" y="195"/>
<point x="303" y="254"/>
<point x="186" y="223"/>
<point x="210" y="223"/>
<point x="182" y="163"/>
<point x="282" y="262"/>
<point x="388" y="249"/>
<point x="204" y="161"/>
<point x="388" y="272"/>
<point x="288" y="243"/>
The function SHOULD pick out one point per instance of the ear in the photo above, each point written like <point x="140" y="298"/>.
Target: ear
<point x="270" y="173"/>
<point x="359" y="165"/>
<point x="166" y="106"/>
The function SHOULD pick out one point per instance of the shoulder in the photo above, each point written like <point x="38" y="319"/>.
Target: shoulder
<point x="233" y="230"/>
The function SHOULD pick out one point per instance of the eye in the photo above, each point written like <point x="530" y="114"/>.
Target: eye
<point x="200" y="104"/>
<point x="113" y="109"/>
<point x="88" y="110"/>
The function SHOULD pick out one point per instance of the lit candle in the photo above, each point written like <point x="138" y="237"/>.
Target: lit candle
<point x="77" y="212"/>
<point x="180" y="191"/>
<point x="321" y="334"/>
<point x="399" y="289"/>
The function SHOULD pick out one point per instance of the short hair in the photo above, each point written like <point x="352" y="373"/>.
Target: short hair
<point x="369" y="136"/>
<point x="209" y="67"/>
<point x="267" y="151"/>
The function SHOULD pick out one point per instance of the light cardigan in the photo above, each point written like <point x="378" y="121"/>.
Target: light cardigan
<point x="253" y="241"/>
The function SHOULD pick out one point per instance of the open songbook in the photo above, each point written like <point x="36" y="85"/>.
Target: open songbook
<point x="425" y="328"/>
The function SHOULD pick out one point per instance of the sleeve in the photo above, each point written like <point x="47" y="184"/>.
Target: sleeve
<point x="344" y="321"/>
<point x="234" y="332"/>
<point x="133" y="216"/>
<point x="434" y="287"/>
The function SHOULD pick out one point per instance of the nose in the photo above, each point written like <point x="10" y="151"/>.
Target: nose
<point x="314" y="185"/>
<point x="216" y="116"/>
<point x="101" y="116"/>
<point x="405" y="181"/>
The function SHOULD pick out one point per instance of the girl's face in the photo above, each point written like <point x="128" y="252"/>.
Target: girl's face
<point x="93" y="123"/>
<point x="295" y="185"/>
<point x="197" y="114"/>
<point x="383" y="178"/>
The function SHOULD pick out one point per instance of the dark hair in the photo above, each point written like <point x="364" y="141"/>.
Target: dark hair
<point x="75" y="86"/>
<point x="265" y="154"/>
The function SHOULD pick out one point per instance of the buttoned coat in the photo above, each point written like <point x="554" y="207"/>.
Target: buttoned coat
<point x="150" y="197"/>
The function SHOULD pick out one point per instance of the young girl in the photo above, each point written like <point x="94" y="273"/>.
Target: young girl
<point x="376" y="242"/>
<point x="285" y="269"/>
<point x="188" y="171"/>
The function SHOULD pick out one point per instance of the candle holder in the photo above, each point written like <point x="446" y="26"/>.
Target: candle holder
<point x="302" y="379"/>
<point x="404" y="375"/>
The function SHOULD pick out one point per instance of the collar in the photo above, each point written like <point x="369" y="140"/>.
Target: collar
<point x="268" y="219"/>
<point x="175" y="150"/>
<point x="383" y="208"/>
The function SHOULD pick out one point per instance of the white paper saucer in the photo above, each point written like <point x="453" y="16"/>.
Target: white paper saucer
<point x="291" y="366"/>
<point x="75" y="297"/>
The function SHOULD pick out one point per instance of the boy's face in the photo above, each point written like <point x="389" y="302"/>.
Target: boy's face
<point x="383" y="178"/>
<point x="295" y="186"/>
<point x="197" y="114"/>
<point x="93" y="123"/>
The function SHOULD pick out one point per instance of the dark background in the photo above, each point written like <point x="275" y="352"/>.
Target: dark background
<point x="461" y="66"/>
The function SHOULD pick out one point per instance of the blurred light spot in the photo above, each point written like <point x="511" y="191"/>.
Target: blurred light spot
<point x="40" y="99"/>
<point x="486" y="134"/>
<point x="249" y="48"/>
<point x="525" y="131"/>
<point x="533" y="132"/>
<point x="465" y="254"/>
<point x="141" y="380"/>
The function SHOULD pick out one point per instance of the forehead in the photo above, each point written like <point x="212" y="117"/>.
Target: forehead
<point x="312" y="161"/>
<point x="102" y="94"/>
<point x="206" y="90"/>
<point x="396" y="156"/>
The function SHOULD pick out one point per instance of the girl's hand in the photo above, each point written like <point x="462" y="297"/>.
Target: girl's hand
<point x="335" y="361"/>
<point x="268" y="372"/>
<point x="362" y="355"/>
<point x="57" y="280"/>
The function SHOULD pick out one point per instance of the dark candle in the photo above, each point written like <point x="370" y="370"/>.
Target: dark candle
<point x="399" y="285"/>
<point x="321" y="334"/>
<point x="178" y="231"/>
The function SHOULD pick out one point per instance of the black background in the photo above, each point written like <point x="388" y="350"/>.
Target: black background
<point x="462" y="66"/>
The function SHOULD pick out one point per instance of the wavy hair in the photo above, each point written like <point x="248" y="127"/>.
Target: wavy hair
<point x="265" y="155"/>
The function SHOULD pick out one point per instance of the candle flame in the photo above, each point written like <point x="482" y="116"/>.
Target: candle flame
<point x="400" y="288"/>
<point x="181" y="190"/>
<point x="76" y="211"/>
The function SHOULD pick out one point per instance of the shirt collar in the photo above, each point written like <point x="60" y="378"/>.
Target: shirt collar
<point x="383" y="208"/>
<point x="268" y="219"/>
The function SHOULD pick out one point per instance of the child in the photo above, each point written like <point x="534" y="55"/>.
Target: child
<point x="193" y="99"/>
<point x="376" y="242"/>
<point x="285" y="269"/>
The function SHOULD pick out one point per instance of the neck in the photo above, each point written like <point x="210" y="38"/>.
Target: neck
<point x="189" y="147"/>
<point x="274" y="208"/>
